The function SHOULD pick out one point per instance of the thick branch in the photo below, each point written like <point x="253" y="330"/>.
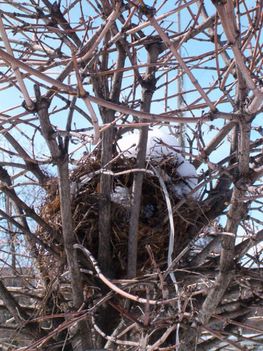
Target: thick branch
<point x="235" y="214"/>
<point x="148" y="88"/>
<point x="57" y="17"/>
<point x="60" y="156"/>
<point x="104" y="254"/>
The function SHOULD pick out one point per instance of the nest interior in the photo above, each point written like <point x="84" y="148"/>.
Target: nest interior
<point x="153" y="222"/>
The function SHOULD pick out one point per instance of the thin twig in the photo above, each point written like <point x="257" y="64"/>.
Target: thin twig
<point x="29" y="102"/>
<point x="114" y="287"/>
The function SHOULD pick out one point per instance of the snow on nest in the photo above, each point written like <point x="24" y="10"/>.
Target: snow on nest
<point x="161" y="142"/>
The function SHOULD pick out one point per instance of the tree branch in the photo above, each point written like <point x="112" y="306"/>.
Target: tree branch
<point x="60" y="157"/>
<point x="148" y="88"/>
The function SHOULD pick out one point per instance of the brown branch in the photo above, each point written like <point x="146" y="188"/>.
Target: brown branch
<point x="171" y="46"/>
<point x="59" y="18"/>
<point x="31" y="164"/>
<point x="60" y="157"/>
<point x="236" y="212"/>
<point x="224" y="339"/>
<point x="20" y="81"/>
<point x="148" y="88"/>
<point x="226" y="13"/>
<point x="242" y="248"/>
<point x="6" y="187"/>
<point x="211" y="146"/>
<point x="108" y="23"/>
<point x="28" y="233"/>
<point x="115" y="288"/>
<point x="21" y="317"/>
<point x="104" y="251"/>
<point x="141" y="114"/>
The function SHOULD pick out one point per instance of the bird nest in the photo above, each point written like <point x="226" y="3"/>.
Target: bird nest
<point x="154" y="221"/>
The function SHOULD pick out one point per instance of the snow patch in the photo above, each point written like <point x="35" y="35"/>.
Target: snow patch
<point x="161" y="142"/>
<point x="120" y="195"/>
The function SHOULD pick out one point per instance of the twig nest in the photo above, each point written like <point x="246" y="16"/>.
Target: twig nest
<point x="164" y="158"/>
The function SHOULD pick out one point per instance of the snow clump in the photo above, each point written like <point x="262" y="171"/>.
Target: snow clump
<point x="162" y="143"/>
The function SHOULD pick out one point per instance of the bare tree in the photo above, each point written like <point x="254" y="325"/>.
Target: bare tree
<point x="105" y="245"/>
